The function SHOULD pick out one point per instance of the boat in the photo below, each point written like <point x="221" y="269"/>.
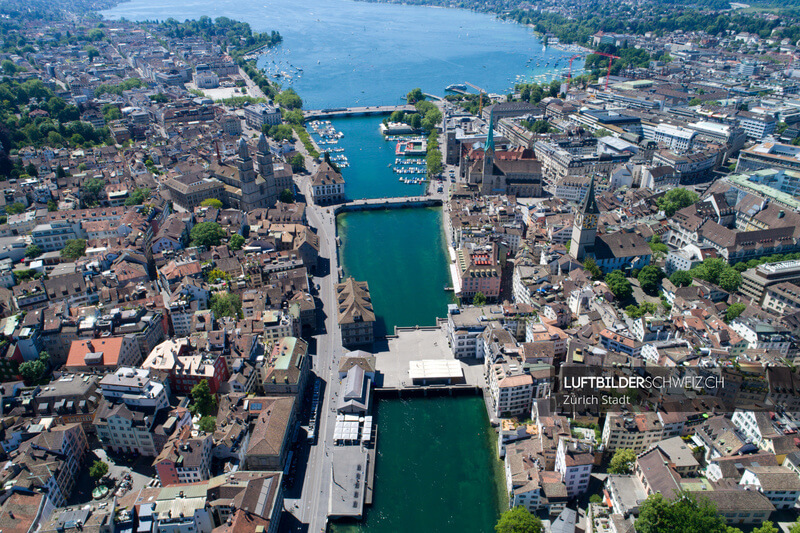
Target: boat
<point x="456" y="87"/>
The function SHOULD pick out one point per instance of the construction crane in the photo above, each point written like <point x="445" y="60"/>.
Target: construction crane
<point x="611" y="59"/>
<point x="571" y="59"/>
<point x="481" y="92"/>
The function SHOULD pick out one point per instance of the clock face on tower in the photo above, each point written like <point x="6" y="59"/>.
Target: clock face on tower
<point x="589" y="221"/>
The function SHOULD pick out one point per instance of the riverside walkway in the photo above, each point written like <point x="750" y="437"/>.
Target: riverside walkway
<point x="312" y="114"/>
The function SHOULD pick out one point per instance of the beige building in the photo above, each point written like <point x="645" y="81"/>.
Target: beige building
<point x="355" y="312"/>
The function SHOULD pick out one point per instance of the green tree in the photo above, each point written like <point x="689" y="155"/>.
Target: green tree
<point x="622" y="461"/>
<point x="695" y="101"/>
<point x="479" y="299"/>
<point x="649" y="278"/>
<point x="734" y="310"/>
<point x="289" y="99"/>
<point x="602" y="132"/>
<point x="795" y="528"/>
<point x="207" y="234"/>
<point x="596" y="498"/>
<point x="52" y="205"/>
<point x="518" y="520"/>
<point x="203" y="402"/>
<point x="676" y="199"/>
<point x="415" y="95"/>
<point x="92" y="190"/>
<point x="766" y="527"/>
<point x="34" y="250"/>
<point x="619" y="285"/>
<point x="279" y="132"/>
<point x="208" y="424"/>
<point x="16" y="208"/>
<point x="73" y="249"/>
<point x="9" y="68"/>
<point x="216" y="275"/>
<point x="92" y="52"/>
<point x="298" y="163"/>
<point x="294" y="116"/>
<point x="591" y="267"/>
<point x="684" y="513"/>
<point x="681" y="278"/>
<point x="730" y="279"/>
<point x="236" y="242"/>
<point x="138" y="197"/>
<point x="226" y="304"/>
<point x="32" y="371"/>
<point x="98" y="469"/>
<point x="286" y="196"/>
<point x="211" y="202"/>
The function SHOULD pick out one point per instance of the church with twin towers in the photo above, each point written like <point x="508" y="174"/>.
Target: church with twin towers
<point x="252" y="183"/>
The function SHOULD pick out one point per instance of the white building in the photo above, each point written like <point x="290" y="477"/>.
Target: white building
<point x="511" y="389"/>
<point x="574" y="462"/>
<point x="258" y="115"/>
<point x="779" y="484"/>
<point x="133" y="387"/>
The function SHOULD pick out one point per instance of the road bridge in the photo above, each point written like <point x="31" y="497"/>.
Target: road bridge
<point x="333" y="112"/>
<point x="374" y="204"/>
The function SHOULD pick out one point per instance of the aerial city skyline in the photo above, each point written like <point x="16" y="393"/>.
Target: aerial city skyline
<point x="353" y="266"/>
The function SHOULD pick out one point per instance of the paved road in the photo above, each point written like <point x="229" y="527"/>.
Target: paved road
<point x="312" y="507"/>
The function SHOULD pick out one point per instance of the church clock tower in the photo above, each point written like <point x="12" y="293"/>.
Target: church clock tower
<point x="584" y="229"/>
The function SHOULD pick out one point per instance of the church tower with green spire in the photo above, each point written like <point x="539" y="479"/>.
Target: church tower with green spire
<point x="488" y="153"/>
<point x="584" y="228"/>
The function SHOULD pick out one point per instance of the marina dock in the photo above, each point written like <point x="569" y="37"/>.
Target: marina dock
<point x="312" y="114"/>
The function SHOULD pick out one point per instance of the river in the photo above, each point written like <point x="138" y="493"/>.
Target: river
<point x="435" y="470"/>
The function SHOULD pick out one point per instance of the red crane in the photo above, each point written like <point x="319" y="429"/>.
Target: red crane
<point x="571" y="59"/>
<point x="610" y="60"/>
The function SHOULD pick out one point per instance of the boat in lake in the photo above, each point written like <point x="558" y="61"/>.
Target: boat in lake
<point x="456" y="87"/>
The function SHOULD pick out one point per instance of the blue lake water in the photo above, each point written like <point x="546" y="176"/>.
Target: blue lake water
<point x="355" y="53"/>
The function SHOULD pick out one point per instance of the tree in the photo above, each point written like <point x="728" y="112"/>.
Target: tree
<point x="591" y="267"/>
<point x="596" y="498"/>
<point x="34" y="250"/>
<point x="734" y="310"/>
<point x="286" y="196"/>
<point x="16" y="208"/>
<point x="289" y="99"/>
<point x="298" y="163"/>
<point x="138" y="197"/>
<point x="684" y="513"/>
<point x="203" y="402"/>
<point x="479" y="299"/>
<point x="622" y="461"/>
<point x="92" y="52"/>
<point x="619" y="285"/>
<point x="730" y="279"/>
<point x="766" y="527"/>
<point x="207" y="234"/>
<point x="415" y="95"/>
<point x="216" y="275"/>
<point x="91" y="190"/>
<point x="208" y="424"/>
<point x="52" y="205"/>
<point x="279" y="132"/>
<point x="795" y="528"/>
<point x="98" y="469"/>
<point x="32" y="371"/>
<point x="211" y="202"/>
<point x="295" y="116"/>
<point x="226" y="304"/>
<point x="236" y="242"/>
<point x="676" y="199"/>
<point x="681" y="278"/>
<point x="518" y="520"/>
<point x="649" y="278"/>
<point x="73" y="249"/>
<point x="602" y="132"/>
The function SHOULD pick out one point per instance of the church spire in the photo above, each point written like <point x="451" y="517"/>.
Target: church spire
<point x="589" y="204"/>
<point x="490" y="137"/>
